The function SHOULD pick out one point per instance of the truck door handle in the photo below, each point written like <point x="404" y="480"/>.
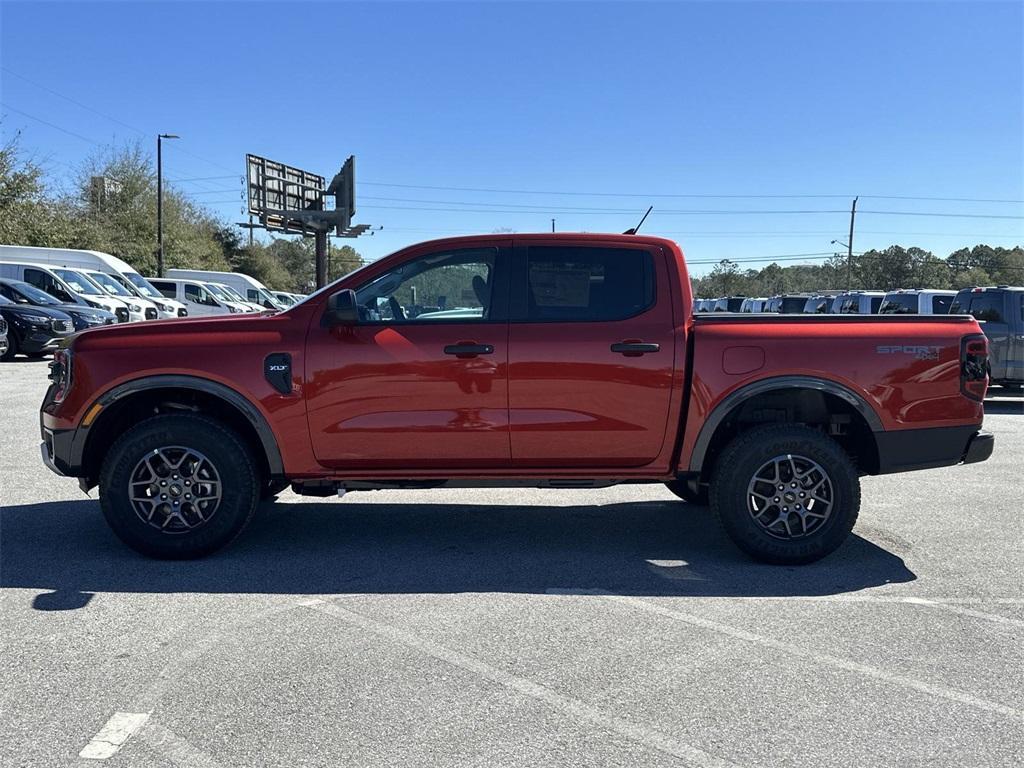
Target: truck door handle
<point x="634" y="348"/>
<point x="465" y="349"/>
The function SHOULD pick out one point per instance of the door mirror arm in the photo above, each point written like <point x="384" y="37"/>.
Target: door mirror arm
<point x="342" y="309"/>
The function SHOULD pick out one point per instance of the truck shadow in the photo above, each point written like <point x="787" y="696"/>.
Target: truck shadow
<point x="1013" y="407"/>
<point x="647" y="548"/>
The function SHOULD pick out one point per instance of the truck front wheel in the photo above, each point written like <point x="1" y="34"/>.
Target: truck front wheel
<point x="786" y="494"/>
<point x="178" y="486"/>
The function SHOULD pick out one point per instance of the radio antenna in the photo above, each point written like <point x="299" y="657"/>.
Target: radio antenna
<point x="634" y="230"/>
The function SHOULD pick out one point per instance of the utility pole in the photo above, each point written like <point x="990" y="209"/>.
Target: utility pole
<point x="160" y="201"/>
<point x="552" y="225"/>
<point x="321" y="258"/>
<point x="849" y="247"/>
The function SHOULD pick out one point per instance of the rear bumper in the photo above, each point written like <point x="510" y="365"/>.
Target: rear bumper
<point x="906" y="450"/>
<point x="979" y="447"/>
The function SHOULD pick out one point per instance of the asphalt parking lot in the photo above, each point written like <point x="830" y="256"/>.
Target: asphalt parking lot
<point x="611" y="627"/>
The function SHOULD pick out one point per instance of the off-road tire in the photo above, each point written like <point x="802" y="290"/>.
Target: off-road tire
<point x="682" y="489"/>
<point x="239" y="485"/>
<point x="751" y="451"/>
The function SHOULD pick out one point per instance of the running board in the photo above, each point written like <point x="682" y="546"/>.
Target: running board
<point x="331" y="487"/>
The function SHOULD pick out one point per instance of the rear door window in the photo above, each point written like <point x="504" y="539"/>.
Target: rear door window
<point x="585" y="284"/>
<point x="941" y="304"/>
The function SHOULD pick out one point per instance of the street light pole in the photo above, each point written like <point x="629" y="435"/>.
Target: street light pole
<point x="160" y="201"/>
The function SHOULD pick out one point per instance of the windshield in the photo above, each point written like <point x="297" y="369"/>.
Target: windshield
<point x="266" y="298"/>
<point x="109" y="284"/>
<point x="217" y="291"/>
<point x="144" y="288"/>
<point x="33" y="294"/>
<point x="231" y="293"/>
<point x="79" y="282"/>
<point x="331" y="286"/>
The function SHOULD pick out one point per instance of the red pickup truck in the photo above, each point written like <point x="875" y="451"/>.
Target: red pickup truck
<point x="555" y="361"/>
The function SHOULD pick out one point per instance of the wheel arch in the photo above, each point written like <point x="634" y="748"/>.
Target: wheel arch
<point x="811" y="398"/>
<point x="132" y="400"/>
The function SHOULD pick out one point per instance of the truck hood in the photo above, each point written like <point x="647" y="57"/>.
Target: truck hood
<point x="167" y="331"/>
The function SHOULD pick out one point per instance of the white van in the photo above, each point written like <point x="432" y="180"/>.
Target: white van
<point x="199" y="300"/>
<point x="78" y="290"/>
<point x="75" y="258"/>
<point x="250" y="288"/>
<point x="236" y="297"/>
<point x="229" y="297"/>
<point x="917" y="302"/>
<point x="287" y="299"/>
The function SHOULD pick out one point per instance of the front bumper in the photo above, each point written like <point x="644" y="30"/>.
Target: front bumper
<point x="35" y="343"/>
<point x="57" y="449"/>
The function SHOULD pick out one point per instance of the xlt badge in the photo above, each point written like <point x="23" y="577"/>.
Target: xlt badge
<point x="277" y="369"/>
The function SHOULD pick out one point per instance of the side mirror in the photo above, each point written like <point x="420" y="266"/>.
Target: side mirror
<point x="341" y="309"/>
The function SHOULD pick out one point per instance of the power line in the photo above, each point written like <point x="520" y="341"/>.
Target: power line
<point x="695" y="212"/>
<point x="51" y="125"/>
<point x="663" y="212"/>
<point x="87" y="108"/>
<point x="677" y="195"/>
<point x="210" y="178"/>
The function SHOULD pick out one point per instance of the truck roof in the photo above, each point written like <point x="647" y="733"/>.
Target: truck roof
<point x="548" y="236"/>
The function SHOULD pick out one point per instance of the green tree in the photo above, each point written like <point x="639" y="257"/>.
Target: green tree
<point x="28" y="215"/>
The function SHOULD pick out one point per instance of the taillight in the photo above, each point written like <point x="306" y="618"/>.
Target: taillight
<point x="60" y="374"/>
<point x="974" y="366"/>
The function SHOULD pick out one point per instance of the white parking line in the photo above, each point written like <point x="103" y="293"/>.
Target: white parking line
<point x="575" y="708"/>
<point x="117" y="730"/>
<point x="940" y="691"/>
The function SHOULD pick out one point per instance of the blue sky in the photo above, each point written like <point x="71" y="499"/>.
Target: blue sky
<point x="637" y="101"/>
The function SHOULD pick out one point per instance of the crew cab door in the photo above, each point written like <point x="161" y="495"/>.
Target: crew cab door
<point x="421" y="380"/>
<point x="591" y="348"/>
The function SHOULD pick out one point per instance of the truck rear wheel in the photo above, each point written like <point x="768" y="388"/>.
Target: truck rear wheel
<point x="178" y="486"/>
<point x="786" y="494"/>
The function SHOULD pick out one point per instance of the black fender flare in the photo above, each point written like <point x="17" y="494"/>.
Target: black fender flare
<point x="734" y="399"/>
<point x="177" y="381"/>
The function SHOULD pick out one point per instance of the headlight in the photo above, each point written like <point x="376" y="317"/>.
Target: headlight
<point x="135" y="307"/>
<point x="232" y="309"/>
<point x="95" y="304"/>
<point x="60" y="374"/>
<point x="93" y="319"/>
<point x="35" y="319"/>
<point x="164" y="307"/>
